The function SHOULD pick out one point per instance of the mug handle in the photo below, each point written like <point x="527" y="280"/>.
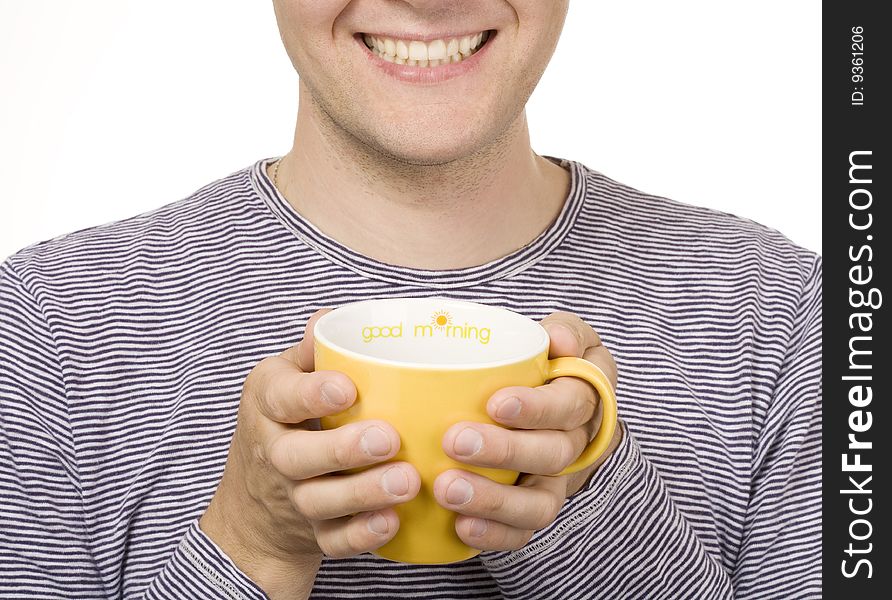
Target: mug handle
<point x="578" y="367"/>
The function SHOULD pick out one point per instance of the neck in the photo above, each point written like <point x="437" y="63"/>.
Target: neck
<point x="434" y="216"/>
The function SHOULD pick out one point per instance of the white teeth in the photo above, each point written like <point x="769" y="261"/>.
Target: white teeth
<point x="436" y="50"/>
<point x="402" y="50"/>
<point x="431" y="54"/>
<point x="417" y="50"/>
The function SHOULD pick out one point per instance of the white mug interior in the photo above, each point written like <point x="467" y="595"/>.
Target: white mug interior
<point x="423" y="332"/>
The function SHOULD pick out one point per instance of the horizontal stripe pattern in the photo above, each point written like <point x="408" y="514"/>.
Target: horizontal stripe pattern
<point x="123" y="349"/>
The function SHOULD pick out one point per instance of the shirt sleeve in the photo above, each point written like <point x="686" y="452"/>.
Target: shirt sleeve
<point x="780" y="554"/>
<point x="622" y="535"/>
<point x="45" y="548"/>
<point x="200" y="569"/>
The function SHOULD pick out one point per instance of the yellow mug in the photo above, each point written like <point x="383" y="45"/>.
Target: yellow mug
<point x="423" y="364"/>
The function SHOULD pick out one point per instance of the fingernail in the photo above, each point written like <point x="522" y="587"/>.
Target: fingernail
<point x="395" y="482"/>
<point x="332" y="394"/>
<point x="509" y="409"/>
<point x="378" y="524"/>
<point x="459" y="491"/>
<point x="468" y="442"/>
<point x="478" y="527"/>
<point x="375" y="442"/>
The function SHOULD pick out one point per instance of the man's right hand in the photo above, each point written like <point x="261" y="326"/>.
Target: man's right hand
<point x="281" y="503"/>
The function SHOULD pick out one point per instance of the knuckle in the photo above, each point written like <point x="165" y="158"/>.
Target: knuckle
<point x="504" y="453"/>
<point x="257" y="388"/>
<point x="504" y="538"/>
<point x="569" y="452"/>
<point x="602" y="358"/>
<point x="562" y="316"/>
<point x="305" y="504"/>
<point x="278" y="456"/>
<point x="564" y="452"/>
<point x="548" y="511"/>
<point x="251" y="380"/>
<point x="355" y="538"/>
<point x="496" y="503"/>
<point x="539" y="409"/>
<point x="303" y="393"/>
<point x="340" y="456"/>
<point x="259" y="375"/>
<point x="262" y="456"/>
<point x="540" y="519"/>
<point x="325" y="548"/>
<point x="330" y="539"/>
<point x="337" y="553"/>
<point x="583" y="405"/>
<point x="555" y="507"/>
<point x="357" y="496"/>
<point x="270" y="408"/>
<point x="332" y="549"/>
<point x="522" y="540"/>
<point x="573" y="323"/>
<point x="297" y="496"/>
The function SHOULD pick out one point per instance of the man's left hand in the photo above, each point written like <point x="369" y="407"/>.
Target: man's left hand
<point x="554" y="423"/>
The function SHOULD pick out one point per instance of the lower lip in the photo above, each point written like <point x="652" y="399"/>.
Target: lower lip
<point x="428" y="75"/>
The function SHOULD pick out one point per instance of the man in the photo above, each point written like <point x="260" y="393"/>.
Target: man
<point x="159" y="402"/>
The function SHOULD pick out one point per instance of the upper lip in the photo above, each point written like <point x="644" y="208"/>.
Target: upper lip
<point x="422" y="37"/>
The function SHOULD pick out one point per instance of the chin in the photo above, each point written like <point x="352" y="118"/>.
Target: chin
<point x="427" y="159"/>
<point x="428" y="152"/>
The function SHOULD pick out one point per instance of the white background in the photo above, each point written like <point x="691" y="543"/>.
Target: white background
<point x="109" y="108"/>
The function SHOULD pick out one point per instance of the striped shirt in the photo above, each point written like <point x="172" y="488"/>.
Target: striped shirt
<point x="124" y="347"/>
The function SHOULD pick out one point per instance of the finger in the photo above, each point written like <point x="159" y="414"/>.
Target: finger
<point x="301" y="454"/>
<point x="601" y="357"/>
<point x="334" y="496"/>
<point x="538" y="451"/>
<point x="484" y="534"/>
<point x="349" y="536"/>
<point x="301" y="353"/>
<point x="564" y="403"/>
<point x="568" y="334"/>
<point x="285" y="394"/>
<point x="531" y="506"/>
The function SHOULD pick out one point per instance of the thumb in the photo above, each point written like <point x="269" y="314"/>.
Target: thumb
<point x="301" y="353"/>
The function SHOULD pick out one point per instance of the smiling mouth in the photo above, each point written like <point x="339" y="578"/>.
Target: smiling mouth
<point x="434" y="53"/>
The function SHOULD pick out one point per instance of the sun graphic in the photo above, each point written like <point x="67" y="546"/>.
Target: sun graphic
<point x="441" y="319"/>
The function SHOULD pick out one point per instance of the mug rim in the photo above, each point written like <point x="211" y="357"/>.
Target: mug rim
<point x="319" y="337"/>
